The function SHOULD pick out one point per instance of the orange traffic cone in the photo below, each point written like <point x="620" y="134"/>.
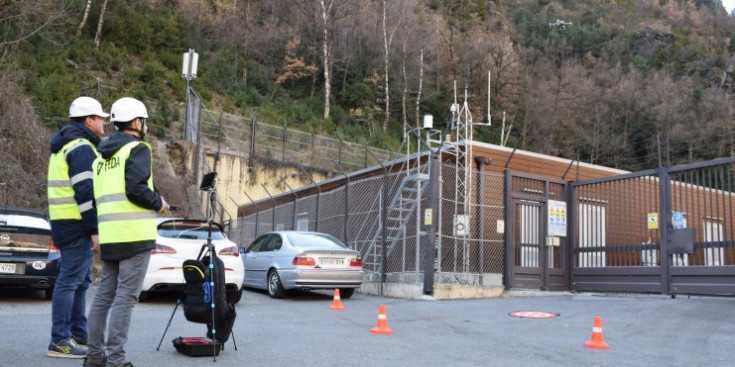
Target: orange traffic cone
<point x="337" y="302"/>
<point x="596" y="340"/>
<point x="381" y="327"/>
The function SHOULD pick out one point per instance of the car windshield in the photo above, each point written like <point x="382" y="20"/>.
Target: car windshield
<point x="188" y="231"/>
<point x="314" y="240"/>
<point x="16" y="238"/>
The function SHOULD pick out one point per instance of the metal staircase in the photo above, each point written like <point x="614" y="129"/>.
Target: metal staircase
<point x="401" y="209"/>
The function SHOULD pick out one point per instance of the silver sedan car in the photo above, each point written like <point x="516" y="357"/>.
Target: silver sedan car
<point x="283" y="260"/>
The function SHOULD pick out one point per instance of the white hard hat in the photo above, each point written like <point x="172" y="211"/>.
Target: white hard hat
<point x="127" y="109"/>
<point x="86" y="106"/>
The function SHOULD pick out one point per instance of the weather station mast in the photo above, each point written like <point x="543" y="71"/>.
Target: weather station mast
<point x="461" y="147"/>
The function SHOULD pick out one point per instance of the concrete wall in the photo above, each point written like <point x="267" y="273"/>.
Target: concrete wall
<point x="234" y="180"/>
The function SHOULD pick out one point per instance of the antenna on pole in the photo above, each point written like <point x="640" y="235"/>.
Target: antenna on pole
<point x="489" y="116"/>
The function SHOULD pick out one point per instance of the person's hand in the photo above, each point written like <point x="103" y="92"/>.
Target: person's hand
<point x="95" y="243"/>
<point x="164" y="206"/>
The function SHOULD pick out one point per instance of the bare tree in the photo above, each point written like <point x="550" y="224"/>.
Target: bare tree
<point x="421" y="86"/>
<point x="387" y="41"/>
<point x="98" y="35"/>
<point x="84" y="18"/>
<point x="21" y="20"/>
<point x="327" y="62"/>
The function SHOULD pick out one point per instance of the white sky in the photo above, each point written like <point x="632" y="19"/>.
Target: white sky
<point x="729" y="4"/>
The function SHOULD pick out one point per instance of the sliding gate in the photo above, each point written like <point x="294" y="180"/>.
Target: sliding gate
<point x="668" y="230"/>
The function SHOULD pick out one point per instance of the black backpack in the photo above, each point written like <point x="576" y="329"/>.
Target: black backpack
<point x="198" y="297"/>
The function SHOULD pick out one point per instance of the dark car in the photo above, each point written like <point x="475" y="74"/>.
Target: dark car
<point x="28" y="258"/>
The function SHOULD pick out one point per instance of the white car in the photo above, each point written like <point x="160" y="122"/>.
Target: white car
<point x="283" y="260"/>
<point x="182" y="239"/>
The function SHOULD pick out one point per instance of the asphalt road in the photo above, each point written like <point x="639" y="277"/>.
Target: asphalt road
<point x="642" y="330"/>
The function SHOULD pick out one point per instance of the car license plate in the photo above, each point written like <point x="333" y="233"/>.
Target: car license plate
<point x="7" y="268"/>
<point x="331" y="261"/>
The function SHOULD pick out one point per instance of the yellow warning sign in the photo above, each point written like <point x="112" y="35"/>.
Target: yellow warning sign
<point x="428" y="213"/>
<point x="652" y="220"/>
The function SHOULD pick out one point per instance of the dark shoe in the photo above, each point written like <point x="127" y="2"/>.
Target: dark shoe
<point x="94" y="363"/>
<point x="81" y="340"/>
<point x="66" y="349"/>
<point x="126" y="364"/>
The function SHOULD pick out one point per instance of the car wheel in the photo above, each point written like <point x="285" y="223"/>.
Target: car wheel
<point x="275" y="288"/>
<point x="346" y="292"/>
<point x="233" y="297"/>
<point x="48" y="293"/>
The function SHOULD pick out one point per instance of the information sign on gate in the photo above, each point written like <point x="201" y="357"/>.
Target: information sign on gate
<point x="677" y="220"/>
<point x="557" y="218"/>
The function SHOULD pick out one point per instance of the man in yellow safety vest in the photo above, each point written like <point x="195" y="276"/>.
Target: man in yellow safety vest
<point x="73" y="223"/>
<point x="127" y="203"/>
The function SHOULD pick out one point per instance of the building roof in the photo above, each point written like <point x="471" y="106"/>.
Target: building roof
<point x="516" y="160"/>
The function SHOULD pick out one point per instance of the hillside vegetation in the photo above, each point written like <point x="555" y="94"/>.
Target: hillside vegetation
<point x="619" y="83"/>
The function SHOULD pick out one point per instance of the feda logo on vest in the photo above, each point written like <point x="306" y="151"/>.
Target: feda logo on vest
<point x="111" y="163"/>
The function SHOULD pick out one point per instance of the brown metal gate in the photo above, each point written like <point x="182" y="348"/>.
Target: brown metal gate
<point x="621" y="242"/>
<point x="535" y="259"/>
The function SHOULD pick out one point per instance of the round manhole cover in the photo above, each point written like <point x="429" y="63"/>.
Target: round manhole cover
<point x="533" y="314"/>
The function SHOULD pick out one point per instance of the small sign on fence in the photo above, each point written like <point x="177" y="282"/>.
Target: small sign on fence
<point x="428" y="213"/>
<point x="652" y="220"/>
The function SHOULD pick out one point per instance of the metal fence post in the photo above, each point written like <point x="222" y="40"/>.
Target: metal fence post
<point x="429" y="256"/>
<point x="318" y="196"/>
<point x="345" y="223"/>
<point x="509" y="227"/>
<point x="664" y="224"/>
<point x="383" y="218"/>
<point x="273" y="223"/>
<point x="481" y="161"/>
<point x="339" y="152"/>
<point x="384" y="230"/>
<point x="251" y="156"/>
<point x="571" y="234"/>
<point x="219" y="139"/>
<point x="295" y="201"/>
<point x="312" y="150"/>
<point x="256" y="214"/>
<point x="283" y="144"/>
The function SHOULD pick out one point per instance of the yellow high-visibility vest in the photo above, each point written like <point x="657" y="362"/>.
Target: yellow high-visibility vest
<point x="119" y="219"/>
<point x="60" y="187"/>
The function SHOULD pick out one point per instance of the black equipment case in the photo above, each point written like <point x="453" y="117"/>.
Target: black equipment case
<point x="197" y="346"/>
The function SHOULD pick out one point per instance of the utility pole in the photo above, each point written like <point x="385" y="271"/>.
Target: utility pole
<point x="189" y="72"/>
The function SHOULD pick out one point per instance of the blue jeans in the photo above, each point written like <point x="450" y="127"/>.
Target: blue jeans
<point x="69" y="301"/>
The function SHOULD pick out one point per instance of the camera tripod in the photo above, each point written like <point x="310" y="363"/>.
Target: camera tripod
<point x="208" y="184"/>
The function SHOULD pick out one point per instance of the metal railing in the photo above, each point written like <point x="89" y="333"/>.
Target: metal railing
<point x="259" y="140"/>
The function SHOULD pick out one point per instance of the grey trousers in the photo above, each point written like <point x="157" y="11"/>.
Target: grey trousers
<point x="117" y="294"/>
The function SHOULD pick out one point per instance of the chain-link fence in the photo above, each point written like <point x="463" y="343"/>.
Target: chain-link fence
<point x="383" y="215"/>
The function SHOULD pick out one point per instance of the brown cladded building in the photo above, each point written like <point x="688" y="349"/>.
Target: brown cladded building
<point x="531" y="221"/>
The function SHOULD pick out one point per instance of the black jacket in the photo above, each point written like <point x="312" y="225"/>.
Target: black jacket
<point x="79" y="160"/>
<point x="137" y="172"/>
